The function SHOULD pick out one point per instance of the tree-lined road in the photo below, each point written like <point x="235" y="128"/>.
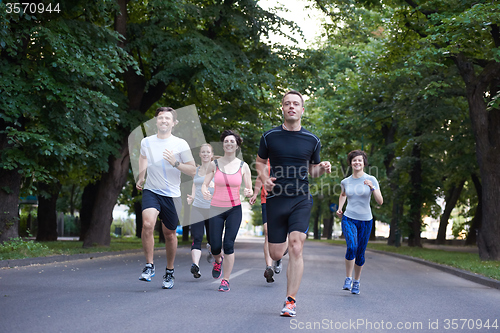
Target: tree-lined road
<point x="105" y="295"/>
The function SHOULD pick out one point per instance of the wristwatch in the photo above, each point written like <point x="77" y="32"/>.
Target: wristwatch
<point x="176" y="164"/>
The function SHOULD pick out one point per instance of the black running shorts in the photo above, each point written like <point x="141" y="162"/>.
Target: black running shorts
<point x="287" y="214"/>
<point x="169" y="207"/>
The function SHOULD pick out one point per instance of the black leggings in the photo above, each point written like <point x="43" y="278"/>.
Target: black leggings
<point x="232" y="218"/>
<point x="199" y="219"/>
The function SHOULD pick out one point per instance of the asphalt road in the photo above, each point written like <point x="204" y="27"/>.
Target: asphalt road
<point x="105" y="295"/>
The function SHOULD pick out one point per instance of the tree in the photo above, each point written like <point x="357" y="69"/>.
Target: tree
<point x="57" y="72"/>
<point x="468" y="34"/>
<point x="205" y="52"/>
<point x="465" y="35"/>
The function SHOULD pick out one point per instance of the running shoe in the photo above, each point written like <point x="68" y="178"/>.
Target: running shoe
<point x="217" y="270"/>
<point x="168" y="279"/>
<point x="277" y="265"/>
<point x="355" y="288"/>
<point x="195" y="270"/>
<point x="210" y="257"/>
<point x="347" y="284"/>
<point x="224" y="285"/>
<point x="147" y="273"/>
<point x="289" y="308"/>
<point x="268" y="274"/>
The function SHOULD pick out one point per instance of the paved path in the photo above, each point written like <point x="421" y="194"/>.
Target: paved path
<point x="104" y="295"/>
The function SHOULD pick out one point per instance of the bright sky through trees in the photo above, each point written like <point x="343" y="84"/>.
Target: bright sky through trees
<point x="308" y="19"/>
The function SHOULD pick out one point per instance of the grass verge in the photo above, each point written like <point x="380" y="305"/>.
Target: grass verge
<point x="462" y="260"/>
<point x="19" y="248"/>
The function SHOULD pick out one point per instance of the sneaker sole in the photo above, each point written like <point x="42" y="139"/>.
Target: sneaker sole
<point x="144" y="279"/>
<point x="269" y="277"/>
<point x="287" y="314"/>
<point x="163" y="287"/>
<point x="224" y="291"/>
<point x="195" y="273"/>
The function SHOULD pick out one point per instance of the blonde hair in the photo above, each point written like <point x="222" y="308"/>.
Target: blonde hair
<point x="211" y="148"/>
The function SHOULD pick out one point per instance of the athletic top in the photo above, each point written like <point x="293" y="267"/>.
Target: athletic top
<point x="199" y="201"/>
<point x="290" y="153"/>
<point x="162" y="178"/>
<point x="227" y="188"/>
<point x="358" y="197"/>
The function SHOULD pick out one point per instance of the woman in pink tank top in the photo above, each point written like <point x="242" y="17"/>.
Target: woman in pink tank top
<point x="227" y="173"/>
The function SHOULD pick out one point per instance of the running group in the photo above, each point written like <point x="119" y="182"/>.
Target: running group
<point x="287" y="156"/>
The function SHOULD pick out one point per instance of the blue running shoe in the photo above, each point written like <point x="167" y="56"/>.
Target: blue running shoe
<point x="355" y="288"/>
<point x="347" y="284"/>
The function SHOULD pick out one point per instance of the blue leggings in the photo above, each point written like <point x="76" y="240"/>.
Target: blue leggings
<point x="228" y="219"/>
<point x="356" y="235"/>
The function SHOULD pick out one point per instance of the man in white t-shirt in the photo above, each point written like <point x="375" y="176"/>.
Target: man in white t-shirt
<point x="164" y="156"/>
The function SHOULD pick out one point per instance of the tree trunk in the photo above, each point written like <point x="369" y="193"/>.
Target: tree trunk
<point x="486" y="128"/>
<point x="88" y="198"/>
<point x="138" y="213"/>
<point x="389" y="132"/>
<point x="47" y="214"/>
<point x="108" y="189"/>
<point x="451" y="201"/>
<point x="328" y="227"/>
<point x="415" y="197"/>
<point x="10" y="184"/>
<point x="476" y="222"/>
<point x="316" y="220"/>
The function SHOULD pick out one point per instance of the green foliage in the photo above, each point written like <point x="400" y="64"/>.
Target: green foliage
<point x="19" y="248"/>
<point x="59" y="103"/>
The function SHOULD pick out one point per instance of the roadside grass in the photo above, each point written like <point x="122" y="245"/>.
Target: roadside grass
<point x="462" y="260"/>
<point x="19" y="248"/>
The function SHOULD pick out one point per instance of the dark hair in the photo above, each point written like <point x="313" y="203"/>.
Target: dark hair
<point x="293" y="92"/>
<point x="238" y="138"/>
<point x="166" y="109"/>
<point x="355" y="153"/>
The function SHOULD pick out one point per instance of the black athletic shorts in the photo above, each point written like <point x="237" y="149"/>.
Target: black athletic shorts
<point x="264" y="213"/>
<point x="169" y="207"/>
<point x="287" y="214"/>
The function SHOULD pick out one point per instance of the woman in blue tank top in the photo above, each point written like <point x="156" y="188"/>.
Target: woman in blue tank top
<point x="357" y="219"/>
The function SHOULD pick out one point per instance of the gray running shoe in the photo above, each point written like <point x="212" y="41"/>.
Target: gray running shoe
<point x="268" y="274"/>
<point x="210" y="257"/>
<point x="195" y="270"/>
<point x="147" y="273"/>
<point x="277" y="265"/>
<point x="217" y="269"/>
<point x="168" y="279"/>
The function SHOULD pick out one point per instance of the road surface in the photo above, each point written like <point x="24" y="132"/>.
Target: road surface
<point x="105" y="295"/>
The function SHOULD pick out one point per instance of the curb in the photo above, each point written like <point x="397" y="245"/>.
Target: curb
<point x="485" y="281"/>
<point x="10" y="263"/>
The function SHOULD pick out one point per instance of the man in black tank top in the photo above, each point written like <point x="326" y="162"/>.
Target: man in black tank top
<point x="293" y="153"/>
